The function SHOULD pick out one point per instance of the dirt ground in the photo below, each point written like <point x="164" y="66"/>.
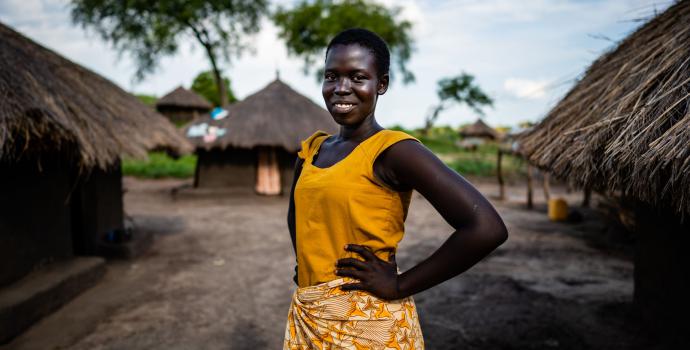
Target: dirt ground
<point x="219" y="276"/>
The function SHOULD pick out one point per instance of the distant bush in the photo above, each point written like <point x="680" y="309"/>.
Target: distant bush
<point x="160" y="165"/>
<point x="484" y="165"/>
<point x="474" y="167"/>
<point x="439" y="145"/>
<point x="149" y="100"/>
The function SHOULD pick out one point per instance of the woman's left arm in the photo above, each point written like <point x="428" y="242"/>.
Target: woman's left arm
<point x="478" y="227"/>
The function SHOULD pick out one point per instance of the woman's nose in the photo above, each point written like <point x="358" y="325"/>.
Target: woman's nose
<point x="342" y="86"/>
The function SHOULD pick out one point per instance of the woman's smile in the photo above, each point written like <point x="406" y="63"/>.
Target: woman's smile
<point x="343" y="107"/>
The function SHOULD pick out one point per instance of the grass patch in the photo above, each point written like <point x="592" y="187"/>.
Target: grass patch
<point x="160" y="165"/>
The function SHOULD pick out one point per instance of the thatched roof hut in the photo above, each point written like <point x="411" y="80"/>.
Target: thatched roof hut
<point x="63" y="129"/>
<point x="480" y="130"/>
<point x="49" y="101"/>
<point x="625" y="126"/>
<point x="183" y="98"/>
<point x="624" y="129"/>
<point x="182" y="105"/>
<point x="274" y="120"/>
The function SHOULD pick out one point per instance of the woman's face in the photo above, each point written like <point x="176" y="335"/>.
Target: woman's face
<point x="351" y="84"/>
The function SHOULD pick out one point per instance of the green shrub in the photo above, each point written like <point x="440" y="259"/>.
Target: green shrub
<point x="474" y="167"/>
<point x="438" y="145"/>
<point x="160" y="165"/>
<point x="484" y="164"/>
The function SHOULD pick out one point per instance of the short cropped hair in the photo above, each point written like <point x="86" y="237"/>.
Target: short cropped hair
<point x="368" y="40"/>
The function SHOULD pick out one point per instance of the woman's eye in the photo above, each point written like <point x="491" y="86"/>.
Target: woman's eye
<point x="329" y="77"/>
<point x="358" y="78"/>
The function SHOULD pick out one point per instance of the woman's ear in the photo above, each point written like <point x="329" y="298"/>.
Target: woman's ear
<point x="383" y="84"/>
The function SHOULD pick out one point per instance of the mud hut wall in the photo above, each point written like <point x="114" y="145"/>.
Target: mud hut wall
<point x="232" y="167"/>
<point x="662" y="269"/>
<point x="97" y="208"/>
<point x="35" y="225"/>
<point x="236" y="167"/>
<point x="179" y="114"/>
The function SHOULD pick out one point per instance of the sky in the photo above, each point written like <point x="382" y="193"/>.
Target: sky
<point x="524" y="54"/>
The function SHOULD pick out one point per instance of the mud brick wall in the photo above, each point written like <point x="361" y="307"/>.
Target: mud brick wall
<point x="236" y="167"/>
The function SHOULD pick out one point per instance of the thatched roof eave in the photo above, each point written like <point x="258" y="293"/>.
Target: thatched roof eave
<point x="625" y="125"/>
<point x="50" y="101"/>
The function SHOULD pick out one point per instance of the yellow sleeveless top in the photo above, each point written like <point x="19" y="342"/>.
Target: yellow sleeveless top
<point x="345" y="204"/>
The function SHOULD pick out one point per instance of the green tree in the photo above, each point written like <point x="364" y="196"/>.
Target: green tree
<point x="205" y="85"/>
<point x="308" y="27"/>
<point x="152" y="29"/>
<point x="457" y="90"/>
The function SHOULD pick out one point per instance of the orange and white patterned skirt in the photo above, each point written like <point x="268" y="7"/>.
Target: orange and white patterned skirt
<point x="325" y="317"/>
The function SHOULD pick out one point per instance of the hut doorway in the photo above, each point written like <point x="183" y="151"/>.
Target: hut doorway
<point x="267" y="172"/>
<point x="97" y="209"/>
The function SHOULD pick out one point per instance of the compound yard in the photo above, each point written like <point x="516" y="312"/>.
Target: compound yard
<point x="219" y="276"/>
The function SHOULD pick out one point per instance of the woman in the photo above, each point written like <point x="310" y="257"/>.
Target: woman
<point x="347" y="207"/>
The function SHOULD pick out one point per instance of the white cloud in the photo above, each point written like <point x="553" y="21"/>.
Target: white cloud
<point x="21" y="8"/>
<point x="525" y="88"/>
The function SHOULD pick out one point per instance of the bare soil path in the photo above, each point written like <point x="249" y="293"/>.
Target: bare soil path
<point x="219" y="276"/>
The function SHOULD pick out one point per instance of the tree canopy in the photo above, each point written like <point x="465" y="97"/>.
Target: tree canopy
<point x="205" y="85"/>
<point x="308" y="27"/>
<point x="461" y="90"/>
<point x="149" y="30"/>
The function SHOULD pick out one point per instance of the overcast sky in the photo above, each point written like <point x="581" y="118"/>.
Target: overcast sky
<point x="524" y="54"/>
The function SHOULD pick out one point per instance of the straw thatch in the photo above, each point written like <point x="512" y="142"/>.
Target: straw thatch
<point x="625" y="126"/>
<point x="183" y="98"/>
<point x="277" y="115"/>
<point x="49" y="102"/>
<point x="479" y="129"/>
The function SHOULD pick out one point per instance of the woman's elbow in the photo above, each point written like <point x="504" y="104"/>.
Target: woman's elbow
<point x="494" y="232"/>
<point x="501" y="234"/>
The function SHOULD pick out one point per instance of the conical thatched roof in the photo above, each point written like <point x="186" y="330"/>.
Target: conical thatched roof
<point x="277" y="115"/>
<point x="479" y="129"/>
<point x="183" y="98"/>
<point x="48" y="102"/>
<point x="625" y="126"/>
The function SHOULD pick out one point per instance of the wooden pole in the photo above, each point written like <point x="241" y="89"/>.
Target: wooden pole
<point x="587" y="197"/>
<point x="530" y="203"/>
<point x="547" y="187"/>
<point x="499" y="173"/>
<point x="196" y="169"/>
